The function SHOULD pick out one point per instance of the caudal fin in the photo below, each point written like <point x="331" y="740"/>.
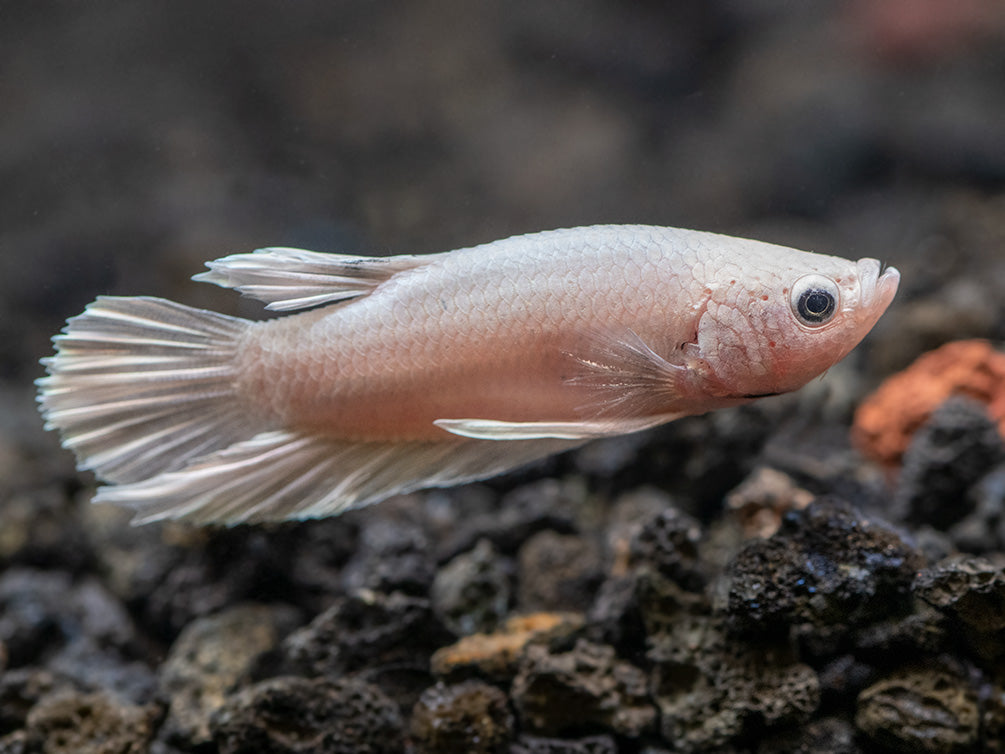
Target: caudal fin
<point x="143" y="391"/>
<point x="140" y="386"/>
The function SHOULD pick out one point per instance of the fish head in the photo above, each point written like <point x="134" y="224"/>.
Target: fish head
<point x="794" y="316"/>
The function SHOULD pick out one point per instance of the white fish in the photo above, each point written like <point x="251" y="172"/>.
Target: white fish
<point x="417" y="371"/>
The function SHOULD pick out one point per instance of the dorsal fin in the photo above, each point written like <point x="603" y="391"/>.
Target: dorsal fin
<point x="287" y="279"/>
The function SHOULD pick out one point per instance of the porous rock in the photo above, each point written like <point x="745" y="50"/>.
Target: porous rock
<point x="828" y="565"/>
<point x="42" y="611"/>
<point x="365" y="629"/>
<point x="887" y="420"/>
<point x="711" y="686"/>
<point x="587" y="686"/>
<point x="971" y="589"/>
<point x="288" y="715"/>
<point x="920" y="709"/>
<point x="94" y="723"/>
<point x="948" y="454"/>
<point x="22" y="688"/>
<point x="983" y="529"/>
<point x="558" y="572"/>
<point x="970" y="592"/>
<point x="209" y="660"/>
<point x="830" y="735"/>
<point x="392" y="556"/>
<point x="472" y="717"/>
<point x="993" y="720"/>
<point x="471" y="593"/>
<point x="494" y="656"/>
<point x="762" y="500"/>
<point x="586" y="745"/>
<point x="668" y="544"/>
<point x="548" y="504"/>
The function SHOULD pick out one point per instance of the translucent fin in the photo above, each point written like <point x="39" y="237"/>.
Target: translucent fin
<point x="289" y="279"/>
<point x="490" y="429"/>
<point x="139" y="386"/>
<point x="282" y="475"/>
<point x="623" y="378"/>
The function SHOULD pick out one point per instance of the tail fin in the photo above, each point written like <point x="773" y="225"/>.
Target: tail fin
<point x="140" y="386"/>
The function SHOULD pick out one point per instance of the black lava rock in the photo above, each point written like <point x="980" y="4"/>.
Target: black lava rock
<point x="586" y="745"/>
<point x="948" y="455"/>
<point x="472" y="717"/>
<point x="472" y="592"/>
<point x="582" y="688"/>
<point x="828" y="564"/>
<point x="367" y="630"/>
<point x="299" y="716"/>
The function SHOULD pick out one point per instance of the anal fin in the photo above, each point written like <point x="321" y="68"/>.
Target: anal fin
<point x="283" y="475"/>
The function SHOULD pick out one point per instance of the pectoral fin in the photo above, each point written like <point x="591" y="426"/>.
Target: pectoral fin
<point x="622" y="378"/>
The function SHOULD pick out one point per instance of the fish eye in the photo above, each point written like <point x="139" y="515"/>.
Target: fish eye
<point x="814" y="299"/>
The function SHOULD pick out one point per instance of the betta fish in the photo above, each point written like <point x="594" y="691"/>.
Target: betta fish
<point x="398" y="373"/>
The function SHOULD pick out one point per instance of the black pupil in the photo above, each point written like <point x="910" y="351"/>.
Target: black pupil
<point x="816" y="305"/>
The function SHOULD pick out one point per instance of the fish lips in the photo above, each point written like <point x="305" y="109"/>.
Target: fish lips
<point x="878" y="286"/>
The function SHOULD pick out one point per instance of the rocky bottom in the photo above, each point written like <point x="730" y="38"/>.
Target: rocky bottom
<point x="743" y="582"/>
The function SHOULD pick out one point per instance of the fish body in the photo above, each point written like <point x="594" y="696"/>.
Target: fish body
<point x="403" y="372"/>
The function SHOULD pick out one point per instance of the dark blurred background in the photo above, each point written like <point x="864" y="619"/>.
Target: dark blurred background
<point x="139" y="139"/>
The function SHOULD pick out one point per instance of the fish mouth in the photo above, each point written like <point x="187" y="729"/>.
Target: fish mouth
<point x="879" y="286"/>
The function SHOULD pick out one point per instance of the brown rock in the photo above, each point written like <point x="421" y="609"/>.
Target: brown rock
<point x="763" y="498"/>
<point x="558" y="572"/>
<point x="288" y="715"/>
<point x="494" y="655"/>
<point x="208" y="660"/>
<point x="587" y="686"/>
<point x="467" y="718"/>
<point x="920" y="709"/>
<point x="97" y="723"/>
<point x="710" y="687"/>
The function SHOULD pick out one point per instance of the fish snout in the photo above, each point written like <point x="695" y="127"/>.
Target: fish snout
<point x="878" y="286"/>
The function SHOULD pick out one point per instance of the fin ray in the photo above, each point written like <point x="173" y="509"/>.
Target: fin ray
<point x="491" y="429"/>
<point x="282" y="475"/>
<point x="624" y="378"/>
<point x="289" y="279"/>
<point x="140" y="385"/>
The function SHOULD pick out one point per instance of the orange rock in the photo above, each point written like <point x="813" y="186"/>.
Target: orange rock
<point x="494" y="655"/>
<point x="886" y="420"/>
